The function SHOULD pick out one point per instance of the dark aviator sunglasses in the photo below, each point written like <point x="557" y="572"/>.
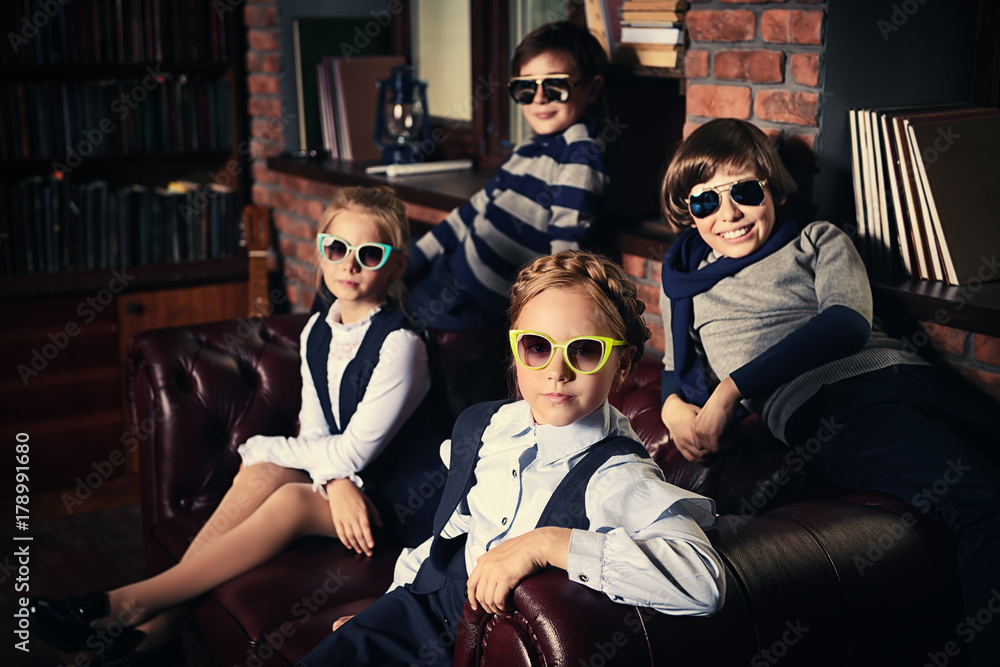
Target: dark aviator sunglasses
<point x="745" y="193"/>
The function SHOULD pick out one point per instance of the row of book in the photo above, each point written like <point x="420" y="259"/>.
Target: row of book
<point x="347" y="104"/>
<point x="335" y="91"/>
<point x="54" y="225"/>
<point x="114" y="32"/>
<point x="923" y="181"/>
<point x="70" y="121"/>
<point x="652" y="32"/>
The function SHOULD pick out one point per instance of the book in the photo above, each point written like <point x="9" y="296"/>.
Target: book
<point x="652" y="35"/>
<point x="312" y="39"/>
<point x="648" y="55"/>
<point x="642" y="16"/>
<point x="355" y="97"/>
<point x="654" y="5"/>
<point x="955" y="163"/>
<point x="327" y="108"/>
<point x="599" y="25"/>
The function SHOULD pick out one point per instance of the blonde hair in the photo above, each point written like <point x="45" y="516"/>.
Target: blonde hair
<point x="616" y="300"/>
<point x="722" y="144"/>
<point x="385" y="208"/>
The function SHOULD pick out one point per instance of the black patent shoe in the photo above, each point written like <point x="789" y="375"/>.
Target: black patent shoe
<point x="65" y="624"/>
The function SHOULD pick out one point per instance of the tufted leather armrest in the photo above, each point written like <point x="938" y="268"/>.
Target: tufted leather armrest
<point x="197" y="393"/>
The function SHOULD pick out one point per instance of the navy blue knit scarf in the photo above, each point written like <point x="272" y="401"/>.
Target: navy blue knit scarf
<point x="683" y="280"/>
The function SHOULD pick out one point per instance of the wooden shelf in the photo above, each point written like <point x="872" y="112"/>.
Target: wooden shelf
<point x="972" y="307"/>
<point x="443" y="191"/>
<point x="93" y="71"/>
<point x="146" y="277"/>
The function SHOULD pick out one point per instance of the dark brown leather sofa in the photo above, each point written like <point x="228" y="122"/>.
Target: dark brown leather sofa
<point x="816" y="575"/>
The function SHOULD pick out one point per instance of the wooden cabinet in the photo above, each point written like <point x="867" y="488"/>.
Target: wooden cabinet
<point x="65" y="386"/>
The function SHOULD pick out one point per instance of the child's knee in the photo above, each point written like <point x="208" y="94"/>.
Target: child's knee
<point x="291" y="496"/>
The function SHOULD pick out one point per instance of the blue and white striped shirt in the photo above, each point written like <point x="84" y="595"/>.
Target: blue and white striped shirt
<point x="542" y="201"/>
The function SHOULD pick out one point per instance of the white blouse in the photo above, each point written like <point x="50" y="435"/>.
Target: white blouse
<point x="398" y="384"/>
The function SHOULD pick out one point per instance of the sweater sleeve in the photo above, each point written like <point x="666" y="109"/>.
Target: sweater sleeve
<point x="840" y="328"/>
<point x="446" y="237"/>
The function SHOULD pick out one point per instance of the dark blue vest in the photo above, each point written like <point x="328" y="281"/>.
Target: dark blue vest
<point x="566" y="507"/>
<point x="397" y="481"/>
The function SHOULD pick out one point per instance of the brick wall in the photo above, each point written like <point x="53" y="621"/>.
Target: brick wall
<point x="759" y="61"/>
<point x="754" y="59"/>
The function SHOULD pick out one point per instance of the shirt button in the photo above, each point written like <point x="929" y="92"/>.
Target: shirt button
<point x="503" y="521"/>
<point x="514" y="473"/>
<point x="584" y="578"/>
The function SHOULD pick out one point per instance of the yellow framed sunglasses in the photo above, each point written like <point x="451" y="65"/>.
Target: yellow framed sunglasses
<point x="584" y="354"/>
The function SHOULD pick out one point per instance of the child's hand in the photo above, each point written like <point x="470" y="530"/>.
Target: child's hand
<point x="350" y="509"/>
<point x="679" y="416"/>
<point x="504" y="566"/>
<point x="710" y="424"/>
<point x="340" y="621"/>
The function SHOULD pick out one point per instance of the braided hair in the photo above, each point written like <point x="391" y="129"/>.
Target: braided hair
<point x="616" y="301"/>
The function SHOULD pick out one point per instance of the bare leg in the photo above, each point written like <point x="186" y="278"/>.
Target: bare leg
<point x="251" y="487"/>
<point x="292" y="511"/>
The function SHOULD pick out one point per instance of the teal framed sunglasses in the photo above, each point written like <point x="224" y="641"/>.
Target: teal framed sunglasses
<point x="584" y="354"/>
<point x="370" y="256"/>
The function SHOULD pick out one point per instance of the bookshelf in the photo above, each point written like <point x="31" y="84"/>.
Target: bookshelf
<point x="123" y="172"/>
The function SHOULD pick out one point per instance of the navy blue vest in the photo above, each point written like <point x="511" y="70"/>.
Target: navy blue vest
<point x="397" y="481"/>
<point x="566" y="507"/>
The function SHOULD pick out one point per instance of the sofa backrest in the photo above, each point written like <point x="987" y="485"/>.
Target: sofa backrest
<point x="199" y="392"/>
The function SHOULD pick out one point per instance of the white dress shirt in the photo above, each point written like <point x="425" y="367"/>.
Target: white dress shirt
<point x="398" y="384"/>
<point x="646" y="543"/>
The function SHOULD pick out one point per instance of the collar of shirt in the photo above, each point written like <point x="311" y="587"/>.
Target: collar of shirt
<point x="513" y="426"/>
<point x="333" y="318"/>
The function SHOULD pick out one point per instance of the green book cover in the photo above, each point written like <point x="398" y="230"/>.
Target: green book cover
<point x="314" y="38"/>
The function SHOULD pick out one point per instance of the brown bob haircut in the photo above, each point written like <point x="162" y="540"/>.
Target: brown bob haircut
<point x="723" y="144"/>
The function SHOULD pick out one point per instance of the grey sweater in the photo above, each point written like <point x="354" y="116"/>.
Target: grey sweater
<point x="746" y="314"/>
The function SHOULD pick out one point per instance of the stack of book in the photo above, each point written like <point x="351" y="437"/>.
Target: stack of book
<point x="923" y="186"/>
<point x="54" y="225"/>
<point x="652" y="32"/>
